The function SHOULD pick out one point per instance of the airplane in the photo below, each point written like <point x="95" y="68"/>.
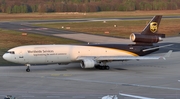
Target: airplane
<point x="92" y="55"/>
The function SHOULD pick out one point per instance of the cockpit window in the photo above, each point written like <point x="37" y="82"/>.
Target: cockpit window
<point x="11" y="52"/>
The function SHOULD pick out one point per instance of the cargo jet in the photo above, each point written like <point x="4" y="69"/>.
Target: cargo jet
<point x="92" y="55"/>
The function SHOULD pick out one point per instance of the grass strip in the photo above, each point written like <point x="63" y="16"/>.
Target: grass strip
<point x="117" y="28"/>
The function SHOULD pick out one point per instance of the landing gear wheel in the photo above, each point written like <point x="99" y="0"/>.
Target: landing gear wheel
<point x="107" y="67"/>
<point x="102" y="67"/>
<point x="97" y="66"/>
<point x="27" y="70"/>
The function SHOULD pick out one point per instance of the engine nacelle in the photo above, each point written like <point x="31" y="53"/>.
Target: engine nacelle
<point x="145" y="38"/>
<point x="87" y="63"/>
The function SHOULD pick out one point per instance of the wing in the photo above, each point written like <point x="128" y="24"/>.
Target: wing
<point x="124" y="58"/>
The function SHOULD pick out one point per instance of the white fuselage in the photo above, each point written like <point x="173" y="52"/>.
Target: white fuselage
<point x="50" y="54"/>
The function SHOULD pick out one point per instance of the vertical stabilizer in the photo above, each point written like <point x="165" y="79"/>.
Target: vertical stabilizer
<point x="152" y="26"/>
<point x="150" y="34"/>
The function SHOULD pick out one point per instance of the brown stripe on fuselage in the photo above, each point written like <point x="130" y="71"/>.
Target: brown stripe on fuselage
<point x="135" y="50"/>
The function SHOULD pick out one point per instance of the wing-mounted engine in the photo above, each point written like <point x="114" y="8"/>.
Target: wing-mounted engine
<point x="141" y="38"/>
<point x="87" y="63"/>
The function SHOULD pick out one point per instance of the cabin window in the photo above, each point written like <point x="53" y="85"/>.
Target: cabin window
<point x="11" y="52"/>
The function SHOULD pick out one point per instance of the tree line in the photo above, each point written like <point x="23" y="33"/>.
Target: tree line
<point x="44" y="6"/>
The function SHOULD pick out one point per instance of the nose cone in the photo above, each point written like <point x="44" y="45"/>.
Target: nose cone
<point x="7" y="57"/>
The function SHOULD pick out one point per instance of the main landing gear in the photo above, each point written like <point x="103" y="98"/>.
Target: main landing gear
<point x="28" y="67"/>
<point x="104" y="67"/>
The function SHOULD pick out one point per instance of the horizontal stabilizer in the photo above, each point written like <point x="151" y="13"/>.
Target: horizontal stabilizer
<point x="149" y="49"/>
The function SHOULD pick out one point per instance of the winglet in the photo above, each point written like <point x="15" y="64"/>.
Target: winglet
<point x="167" y="54"/>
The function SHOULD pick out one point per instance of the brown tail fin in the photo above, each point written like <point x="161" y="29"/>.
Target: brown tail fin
<point x="149" y="34"/>
<point x="152" y="26"/>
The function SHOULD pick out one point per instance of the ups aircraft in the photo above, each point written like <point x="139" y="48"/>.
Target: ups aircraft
<point x="92" y="55"/>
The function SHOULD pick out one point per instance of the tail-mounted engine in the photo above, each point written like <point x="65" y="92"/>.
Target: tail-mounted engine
<point x="142" y="38"/>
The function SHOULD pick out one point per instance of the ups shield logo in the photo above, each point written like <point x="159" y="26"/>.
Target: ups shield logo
<point x="153" y="27"/>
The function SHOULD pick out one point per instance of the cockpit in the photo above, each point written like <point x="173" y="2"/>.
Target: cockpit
<point x="11" y="52"/>
<point x="9" y="55"/>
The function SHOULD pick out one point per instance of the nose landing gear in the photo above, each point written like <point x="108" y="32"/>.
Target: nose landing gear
<point x="102" y="66"/>
<point x="28" y="68"/>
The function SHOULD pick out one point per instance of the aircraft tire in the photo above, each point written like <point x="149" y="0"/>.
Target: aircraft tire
<point x="27" y="70"/>
<point x="102" y="67"/>
<point x="107" y="67"/>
